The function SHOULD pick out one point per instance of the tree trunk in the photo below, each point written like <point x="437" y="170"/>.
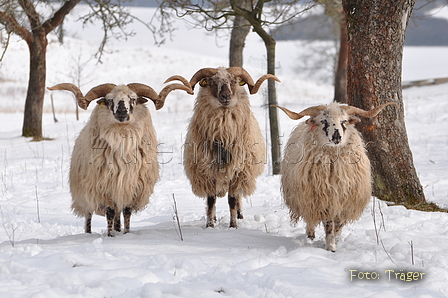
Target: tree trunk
<point x="340" y="82"/>
<point x="273" y="115"/>
<point x="376" y="31"/>
<point x="240" y="30"/>
<point x="32" y="121"/>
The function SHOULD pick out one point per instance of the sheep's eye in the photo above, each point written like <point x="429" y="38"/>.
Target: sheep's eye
<point x="203" y="83"/>
<point x="242" y="83"/>
<point x="343" y="123"/>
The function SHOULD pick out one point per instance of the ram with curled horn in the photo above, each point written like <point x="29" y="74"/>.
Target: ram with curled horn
<point x="114" y="165"/>
<point x="224" y="150"/>
<point x="325" y="169"/>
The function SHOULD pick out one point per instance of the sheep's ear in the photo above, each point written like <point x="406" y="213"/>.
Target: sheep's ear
<point x="102" y="101"/>
<point x="353" y="120"/>
<point x="310" y="121"/>
<point x="242" y="83"/>
<point x="141" y="100"/>
<point x="203" y="82"/>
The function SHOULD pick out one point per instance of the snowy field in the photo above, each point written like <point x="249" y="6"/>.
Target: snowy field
<point x="45" y="253"/>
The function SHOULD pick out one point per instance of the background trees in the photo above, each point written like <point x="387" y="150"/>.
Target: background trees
<point x="27" y="19"/>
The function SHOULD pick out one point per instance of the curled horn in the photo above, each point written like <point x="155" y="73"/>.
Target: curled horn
<point x="158" y="99"/>
<point x="311" y="111"/>
<point x="243" y="74"/>
<point x="368" y="114"/>
<point x="200" y="74"/>
<point x="84" y="101"/>
<point x="254" y="89"/>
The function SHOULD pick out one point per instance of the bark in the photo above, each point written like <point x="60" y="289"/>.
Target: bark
<point x="340" y="82"/>
<point x="32" y="120"/>
<point x="238" y="36"/>
<point x="376" y="31"/>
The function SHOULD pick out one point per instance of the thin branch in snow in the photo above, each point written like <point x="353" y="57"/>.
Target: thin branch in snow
<point x="176" y="214"/>
<point x="37" y="204"/>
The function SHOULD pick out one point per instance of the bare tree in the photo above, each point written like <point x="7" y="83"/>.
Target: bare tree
<point x="240" y="30"/>
<point x="21" y="17"/>
<point x="376" y="32"/>
<point x="216" y="14"/>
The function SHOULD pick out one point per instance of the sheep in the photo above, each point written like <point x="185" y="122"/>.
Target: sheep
<point x="325" y="172"/>
<point x="224" y="149"/>
<point x="114" y="161"/>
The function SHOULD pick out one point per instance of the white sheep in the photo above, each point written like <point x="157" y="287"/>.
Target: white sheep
<point x="224" y="149"/>
<point x="114" y="162"/>
<point x="325" y="170"/>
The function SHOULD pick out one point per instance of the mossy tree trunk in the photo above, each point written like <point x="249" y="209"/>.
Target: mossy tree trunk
<point x="376" y="32"/>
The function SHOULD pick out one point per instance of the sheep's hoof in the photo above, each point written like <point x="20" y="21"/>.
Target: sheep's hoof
<point x="233" y="225"/>
<point x="110" y="233"/>
<point x="210" y="225"/>
<point x="331" y="248"/>
<point x="240" y="215"/>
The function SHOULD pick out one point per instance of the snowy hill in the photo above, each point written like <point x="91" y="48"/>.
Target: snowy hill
<point x="45" y="253"/>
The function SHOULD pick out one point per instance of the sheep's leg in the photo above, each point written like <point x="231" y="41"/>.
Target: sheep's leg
<point x="234" y="206"/>
<point x="310" y="232"/>
<point x="338" y="225"/>
<point x="88" y="223"/>
<point x="127" y="219"/>
<point x="211" y="211"/>
<point x="110" y="215"/>
<point x="330" y="243"/>
<point x="117" y="222"/>
<point x="239" y="207"/>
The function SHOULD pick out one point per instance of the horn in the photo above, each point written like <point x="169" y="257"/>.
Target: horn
<point x="165" y="91"/>
<point x="368" y="114"/>
<point x="97" y="92"/>
<point x="82" y="101"/>
<point x="311" y="111"/>
<point x="178" y="78"/>
<point x="254" y="89"/>
<point x="143" y="90"/>
<point x="243" y="74"/>
<point x="200" y="74"/>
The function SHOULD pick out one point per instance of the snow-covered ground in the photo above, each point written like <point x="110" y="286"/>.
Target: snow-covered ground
<point x="45" y="253"/>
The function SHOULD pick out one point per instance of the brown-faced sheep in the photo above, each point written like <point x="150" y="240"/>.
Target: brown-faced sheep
<point x="114" y="162"/>
<point x="224" y="149"/>
<point x="325" y="170"/>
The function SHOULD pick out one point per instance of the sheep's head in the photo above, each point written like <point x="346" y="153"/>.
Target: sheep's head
<point x="223" y="83"/>
<point x="333" y="120"/>
<point x="121" y="99"/>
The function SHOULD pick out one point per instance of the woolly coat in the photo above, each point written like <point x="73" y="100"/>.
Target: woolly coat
<point x="238" y="133"/>
<point x="114" y="164"/>
<point x="320" y="182"/>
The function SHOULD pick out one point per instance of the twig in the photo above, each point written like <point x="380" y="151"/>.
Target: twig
<point x="13" y="230"/>
<point x="382" y="244"/>
<point x="52" y="109"/>
<point x="374" y="223"/>
<point x="176" y="214"/>
<point x="37" y="204"/>
<point x="412" y="251"/>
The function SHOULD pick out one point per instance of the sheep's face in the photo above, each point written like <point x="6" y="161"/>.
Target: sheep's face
<point x="223" y="87"/>
<point x="332" y="124"/>
<point x="121" y="101"/>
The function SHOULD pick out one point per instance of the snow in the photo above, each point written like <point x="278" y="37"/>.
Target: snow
<point x="45" y="253"/>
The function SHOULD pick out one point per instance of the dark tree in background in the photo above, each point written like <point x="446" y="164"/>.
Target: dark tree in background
<point x="376" y="33"/>
<point x="240" y="30"/>
<point x="36" y="38"/>
<point x="21" y="17"/>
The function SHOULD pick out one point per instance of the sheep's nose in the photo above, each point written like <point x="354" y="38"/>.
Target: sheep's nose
<point x="225" y="95"/>
<point x="336" y="137"/>
<point x="121" y="114"/>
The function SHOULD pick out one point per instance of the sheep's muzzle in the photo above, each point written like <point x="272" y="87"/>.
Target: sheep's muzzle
<point x="121" y="114"/>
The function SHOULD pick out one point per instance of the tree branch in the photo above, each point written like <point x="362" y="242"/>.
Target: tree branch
<point x="59" y="16"/>
<point x="12" y="25"/>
